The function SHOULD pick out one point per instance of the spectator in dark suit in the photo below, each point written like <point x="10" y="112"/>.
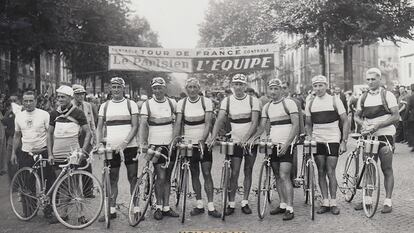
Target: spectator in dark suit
<point x="409" y="118"/>
<point x="337" y="92"/>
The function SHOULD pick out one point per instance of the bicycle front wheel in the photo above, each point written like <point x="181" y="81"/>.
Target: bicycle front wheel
<point x="107" y="197"/>
<point x="349" y="178"/>
<point x="225" y="183"/>
<point x="264" y="189"/>
<point x="24" y="191"/>
<point x="74" y="203"/>
<point x="140" y="199"/>
<point x="184" y="193"/>
<point x="312" y="189"/>
<point x="176" y="181"/>
<point x="370" y="188"/>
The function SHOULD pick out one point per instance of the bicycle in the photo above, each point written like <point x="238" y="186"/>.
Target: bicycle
<point x="106" y="150"/>
<point x="70" y="194"/>
<point x="306" y="178"/>
<point x="185" y="154"/>
<point x="368" y="179"/>
<point x="176" y="180"/>
<point x="143" y="192"/>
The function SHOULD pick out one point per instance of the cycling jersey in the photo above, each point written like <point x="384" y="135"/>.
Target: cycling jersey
<point x="160" y="120"/>
<point x="240" y="113"/>
<point x="325" y="118"/>
<point x="279" y="117"/>
<point x="194" y="117"/>
<point x="33" y="126"/>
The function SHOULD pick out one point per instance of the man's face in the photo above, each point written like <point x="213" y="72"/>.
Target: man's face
<point x="159" y="91"/>
<point x="402" y="89"/>
<point x="275" y="92"/>
<point x="239" y="87"/>
<point x="192" y="90"/>
<point x="29" y="102"/>
<point x="79" y="97"/>
<point x="285" y="89"/>
<point x="373" y="81"/>
<point x="63" y="100"/>
<point x="117" y="90"/>
<point x="337" y="90"/>
<point x="319" y="89"/>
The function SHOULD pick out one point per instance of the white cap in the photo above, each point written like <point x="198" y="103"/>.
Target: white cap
<point x="239" y="78"/>
<point x="319" y="79"/>
<point x="374" y="71"/>
<point x="144" y="97"/>
<point x="158" y="81"/>
<point x="65" y="90"/>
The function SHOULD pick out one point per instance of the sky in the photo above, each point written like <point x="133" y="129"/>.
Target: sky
<point x="175" y="21"/>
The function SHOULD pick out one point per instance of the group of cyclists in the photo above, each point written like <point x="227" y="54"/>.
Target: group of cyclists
<point x="128" y="127"/>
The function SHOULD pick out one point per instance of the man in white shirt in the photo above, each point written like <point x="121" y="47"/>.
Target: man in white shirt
<point x="324" y="113"/>
<point x="377" y="112"/>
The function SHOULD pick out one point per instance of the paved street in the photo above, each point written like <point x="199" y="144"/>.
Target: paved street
<point x="400" y="220"/>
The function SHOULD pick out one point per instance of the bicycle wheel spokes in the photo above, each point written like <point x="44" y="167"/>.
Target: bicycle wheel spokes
<point x="224" y="194"/>
<point x="24" y="192"/>
<point x="140" y="198"/>
<point x="349" y="178"/>
<point x="312" y="189"/>
<point x="263" y="192"/>
<point x="77" y="199"/>
<point x="184" y="190"/>
<point x="371" y="189"/>
<point x="107" y="198"/>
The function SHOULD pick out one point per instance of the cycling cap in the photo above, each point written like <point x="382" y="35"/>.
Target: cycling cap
<point x="65" y="90"/>
<point x="374" y="71"/>
<point x="118" y="80"/>
<point x="193" y="81"/>
<point x="275" y="82"/>
<point x="239" y="78"/>
<point x="158" y="81"/>
<point x="319" y="79"/>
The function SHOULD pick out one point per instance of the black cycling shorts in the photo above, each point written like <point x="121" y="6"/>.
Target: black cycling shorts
<point x="240" y="152"/>
<point x="129" y="154"/>
<point x="322" y="149"/>
<point x="287" y="157"/>
<point x="207" y="157"/>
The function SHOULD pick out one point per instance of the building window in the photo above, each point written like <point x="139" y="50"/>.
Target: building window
<point x="409" y="70"/>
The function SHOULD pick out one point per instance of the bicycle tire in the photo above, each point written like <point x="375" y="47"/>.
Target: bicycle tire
<point x="349" y="178"/>
<point x="74" y="179"/>
<point x="107" y="198"/>
<point x="144" y="193"/>
<point x="185" y="190"/>
<point x="20" y="193"/>
<point x="312" y="190"/>
<point x="263" y="188"/>
<point x="226" y="177"/>
<point x="177" y="181"/>
<point x="371" y="186"/>
<point x="306" y="182"/>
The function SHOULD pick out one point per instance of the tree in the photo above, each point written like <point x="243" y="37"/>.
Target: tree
<point x="340" y="24"/>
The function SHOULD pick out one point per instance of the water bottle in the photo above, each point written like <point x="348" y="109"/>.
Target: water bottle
<point x="109" y="152"/>
<point x="269" y="147"/>
<point x="183" y="149"/>
<point x="375" y="146"/>
<point x="262" y="146"/>
<point x="313" y="145"/>
<point x="368" y="146"/>
<point x="306" y="145"/>
<point x="230" y="147"/>
<point x="223" y="147"/>
<point x="157" y="155"/>
<point x="189" y="149"/>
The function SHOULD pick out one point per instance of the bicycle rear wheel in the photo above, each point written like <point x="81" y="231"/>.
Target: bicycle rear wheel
<point x="107" y="197"/>
<point x="370" y="188"/>
<point x="74" y="203"/>
<point x="312" y="189"/>
<point x="184" y="193"/>
<point x="225" y="180"/>
<point x="264" y="190"/>
<point x="349" y="178"/>
<point x="24" y="192"/>
<point x="140" y="198"/>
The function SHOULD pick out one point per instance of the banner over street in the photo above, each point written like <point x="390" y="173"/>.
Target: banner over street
<point x="198" y="60"/>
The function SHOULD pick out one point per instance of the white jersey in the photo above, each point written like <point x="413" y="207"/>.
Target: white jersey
<point x="240" y="113"/>
<point x="118" y="121"/>
<point x="325" y="118"/>
<point x="194" y="117"/>
<point x="160" y="120"/>
<point x="280" y="120"/>
<point x="33" y="126"/>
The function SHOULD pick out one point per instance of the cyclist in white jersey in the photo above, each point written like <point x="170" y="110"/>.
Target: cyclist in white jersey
<point x="324" y="116"/>
<point x="156" y="128"/>
<point x="120" y="118"/>
<point x="283" y="115"/>
<point x="243" y="112"/>
<point x="194" y="122"/>
<point x="377" y="112"/>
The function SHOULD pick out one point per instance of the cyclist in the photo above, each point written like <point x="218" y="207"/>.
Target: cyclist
<point x="324" y="113"/>
<point x="283" y="115"/>
<point x="31" y="126"/>
<point x="243" y="112"/>
<point x="194" y="118"/>
<point x="156" y="128"/>
<point x="120" y="118"/>
<point x="66" y="122"/>
<point x="377" y="112"/>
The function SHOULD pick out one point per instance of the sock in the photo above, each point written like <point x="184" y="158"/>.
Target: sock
<point x="332" y="202"/>
<point x="137" y="209"/>
<point x="232" y="204"/>
<point x="244" y="203"/>
<point x="200" y="204"/>
<point x="210" y="206"/>
<point x="283" y="205"/>
<point x="166" y="208"/>
<point x="113" y="210"/>
<point x="159" y="207"/>
<point x="388" y="202"/>
<point x="289" y="208"/>
<point x="325" y="202"/>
